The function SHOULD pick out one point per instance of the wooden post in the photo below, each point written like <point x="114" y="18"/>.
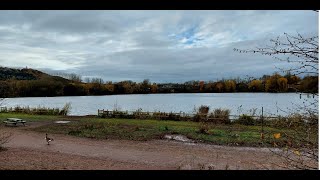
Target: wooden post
<point x="262" y="133"/>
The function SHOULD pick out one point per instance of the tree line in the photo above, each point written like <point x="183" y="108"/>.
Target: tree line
<point x="53" y="86"/>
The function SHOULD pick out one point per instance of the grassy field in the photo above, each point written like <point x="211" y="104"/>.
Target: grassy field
<point x="132" y="129"/>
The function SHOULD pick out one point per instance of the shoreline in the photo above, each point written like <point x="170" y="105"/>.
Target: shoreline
<point x="305" y="93"/>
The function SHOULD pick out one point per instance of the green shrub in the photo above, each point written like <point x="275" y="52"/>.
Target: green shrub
<point x="245" y="119"/>
<point x="164" y="128"/>
<point x="203" y="129"/>
<point x="219" y="116"/>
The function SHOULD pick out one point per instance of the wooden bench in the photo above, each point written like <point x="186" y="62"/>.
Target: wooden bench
<point x="9" y="122"/>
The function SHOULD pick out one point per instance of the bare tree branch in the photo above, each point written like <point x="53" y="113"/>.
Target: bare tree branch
<point x="301" y="51"/>
<point x="301" y="150"/>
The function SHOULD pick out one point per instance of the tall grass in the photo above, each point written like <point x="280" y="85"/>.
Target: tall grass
<point x="66" y="109"/>
<point x="201" y="115"/>
<point x="38" y="110"/>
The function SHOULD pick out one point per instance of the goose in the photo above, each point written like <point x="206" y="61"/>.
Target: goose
<point x="48" y="139"/>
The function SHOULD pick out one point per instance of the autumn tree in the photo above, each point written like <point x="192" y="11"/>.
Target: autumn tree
<point x="201" y="85"/>
<point x="4" y="89"/>
<point x="128" y="87"/>
<point x="109" y="87"/>
<point x="276" y="83"/>
<point x="292" y="79"/>
<point x="73" y="89"/>
<point x="209" y="87"/>
<point x="230" y="86"/>
<point x="242" y="87"/>
<point x="154" y="88"/>
<point x="145" y="85"/>
<point x="309" y="84"/>
<point x="282" y="84"/>
<point x="255" y="86"/>
<point x="219" y="87"/>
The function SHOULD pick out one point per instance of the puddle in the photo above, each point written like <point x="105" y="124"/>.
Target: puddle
<point x="61" y="122"/>
<point x="178" y="138"/>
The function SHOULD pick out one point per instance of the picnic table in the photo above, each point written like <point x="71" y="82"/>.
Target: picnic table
<point x="14" y="121"/>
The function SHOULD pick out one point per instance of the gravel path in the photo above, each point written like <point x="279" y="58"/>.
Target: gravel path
<point x="29" y="150"/>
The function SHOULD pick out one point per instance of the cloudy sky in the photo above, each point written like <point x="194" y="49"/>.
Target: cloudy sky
<point x="163" y="46"/>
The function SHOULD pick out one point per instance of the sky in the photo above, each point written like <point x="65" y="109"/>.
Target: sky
<point x="162" y="46"/>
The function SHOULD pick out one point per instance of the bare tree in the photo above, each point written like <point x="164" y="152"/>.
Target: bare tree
<point x="301" y="146"/>
<point x="298" y="50"/>
<point x="72" y="76"/>
<point x="301" y="52"/>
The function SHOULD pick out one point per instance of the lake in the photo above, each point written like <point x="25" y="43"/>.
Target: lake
<point x="238" y="103"/>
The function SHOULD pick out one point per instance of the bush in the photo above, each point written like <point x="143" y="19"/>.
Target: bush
<point x="197" y="118"/>
<point x="295" y="120"/>
<point x="245" y="119"/>
<point x="66" y="109"/>
<point x="204" y="128"/>
<point x="201" y="113"/>
<point x="203" y="109"/>
<point x="279" y="122"/>
<point x="219" y="116"/>
<point x="174" y="117"/>
<point x="103" y="115"/>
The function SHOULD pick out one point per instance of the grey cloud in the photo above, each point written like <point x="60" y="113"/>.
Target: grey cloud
<point x="151" y="39"/>
<point x="122" y="45"/>
<point x="205" y="64"/>
<point x="77" y="23"/>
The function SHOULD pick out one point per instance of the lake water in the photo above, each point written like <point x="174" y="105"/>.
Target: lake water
<point x="238" y="103"/>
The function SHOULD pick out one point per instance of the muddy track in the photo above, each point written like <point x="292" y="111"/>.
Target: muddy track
<point x="29" y="150"/>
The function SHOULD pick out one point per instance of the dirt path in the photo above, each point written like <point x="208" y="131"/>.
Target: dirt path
<point x="28" y="150"/>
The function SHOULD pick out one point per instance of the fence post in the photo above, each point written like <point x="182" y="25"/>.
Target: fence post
<point x="262" y="133"/>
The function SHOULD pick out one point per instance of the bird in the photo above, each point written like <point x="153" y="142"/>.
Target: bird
<point x="48" y="139"/>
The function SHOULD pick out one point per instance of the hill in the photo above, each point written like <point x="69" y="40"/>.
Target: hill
<point x="27" y="74"/>
<point x="30" y="82"/>
<point x="18" y="74"/>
